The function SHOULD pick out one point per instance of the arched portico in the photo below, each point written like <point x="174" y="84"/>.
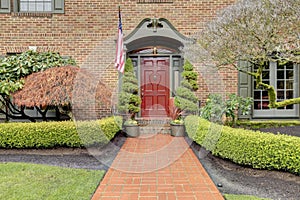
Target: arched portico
<point x="154" y="47"/>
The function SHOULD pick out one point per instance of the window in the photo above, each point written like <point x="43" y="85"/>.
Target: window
<point x="39" y="6"/>
<point x="32" y="6"/>
<point x="261" y="101"/>
<point x="153" y="50"/>
<point x="35" y="6"/>
<point x="284" y="78"/>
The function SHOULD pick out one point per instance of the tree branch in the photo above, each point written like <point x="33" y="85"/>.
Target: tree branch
<point x="287" y="102"/>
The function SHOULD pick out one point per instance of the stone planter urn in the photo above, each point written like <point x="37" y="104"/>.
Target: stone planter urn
<point x="132" y="130"/>
<point x="177" y="130"/>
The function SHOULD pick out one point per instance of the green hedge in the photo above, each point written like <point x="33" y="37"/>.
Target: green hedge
<point x="246" y="147"/>
<point x="58" y="134"/>
<point x="266" y="124"/>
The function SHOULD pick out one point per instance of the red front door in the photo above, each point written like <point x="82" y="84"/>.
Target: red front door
<point x="155" y="85"/>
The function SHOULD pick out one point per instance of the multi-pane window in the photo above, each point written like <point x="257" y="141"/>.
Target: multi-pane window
<point x="32" y="6"/>
<point x="284" y="78"/>
<point x="261" y="99"/>
<point x="35" y="6"/>
<point x="285" y="83"/>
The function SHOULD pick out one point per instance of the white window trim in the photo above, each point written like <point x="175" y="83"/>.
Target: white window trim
<point x="57" y="6"/>
<point x="271" y="113"/>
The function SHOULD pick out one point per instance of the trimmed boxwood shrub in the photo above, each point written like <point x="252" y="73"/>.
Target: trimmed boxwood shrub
<point x="58" y="134"/>
<point x="93" y="133"/>
<point x="266" y="124"/>
<point x="246" y="147"/>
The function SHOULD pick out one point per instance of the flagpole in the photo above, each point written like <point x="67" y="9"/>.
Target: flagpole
<point x="120" y="56"/>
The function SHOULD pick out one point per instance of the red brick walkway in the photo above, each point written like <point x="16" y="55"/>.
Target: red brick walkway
<point x="159" y="167"/>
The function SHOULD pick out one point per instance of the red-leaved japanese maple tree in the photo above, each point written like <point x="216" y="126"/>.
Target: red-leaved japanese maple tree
<point x="62" y="87"/>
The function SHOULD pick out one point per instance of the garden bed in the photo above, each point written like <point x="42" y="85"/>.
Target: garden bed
<point x="235" y="179"/>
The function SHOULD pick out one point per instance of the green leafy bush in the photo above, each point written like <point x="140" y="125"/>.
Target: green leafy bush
<point x="216" y="107"/>
<point x="246" y="147"/>
<point x="58" y="134"/>
<point x="93" y="133"/>
<point x="14" y="68"/>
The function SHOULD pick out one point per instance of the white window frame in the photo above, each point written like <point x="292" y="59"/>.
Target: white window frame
<point x="279" y="113"/>
<point x="39" y="6"/>
<point x="57" y="6"/>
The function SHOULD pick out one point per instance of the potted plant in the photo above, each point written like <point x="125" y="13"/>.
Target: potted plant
<point x="177" y="123"/>
<point x="129" y="100"/>
<point x="185" y="99"/>
<point x="131" y="128"/>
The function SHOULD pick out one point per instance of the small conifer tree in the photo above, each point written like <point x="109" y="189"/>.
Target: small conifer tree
<point x="129" y="99"/>
<point x="185" y="98"/>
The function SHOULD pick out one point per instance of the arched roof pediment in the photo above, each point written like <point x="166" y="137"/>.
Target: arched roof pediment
<point x="152" y="32"/>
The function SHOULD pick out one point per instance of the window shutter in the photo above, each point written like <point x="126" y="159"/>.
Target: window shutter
<point x="58" y="6"/>
<point x="244" y="85"/>
<point x="4" y="6"/>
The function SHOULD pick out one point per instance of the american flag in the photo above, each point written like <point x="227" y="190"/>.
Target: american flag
<point x="120" y="57"/>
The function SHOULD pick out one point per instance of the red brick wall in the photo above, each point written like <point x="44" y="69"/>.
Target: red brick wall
<point x="213" y="81"/>
<point x="87" y="32"/>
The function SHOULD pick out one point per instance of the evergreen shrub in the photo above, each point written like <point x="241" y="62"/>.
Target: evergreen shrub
<point x="266" y="124"/>
<point x="246" y="147"/>
<point x="129" y="99"/>
<point x="185" y="98"/>
<point x="59" y="134"/>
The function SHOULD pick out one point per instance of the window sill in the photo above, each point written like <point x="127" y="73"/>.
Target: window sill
<point x="154" y="1"/>
<point x="28" y="14"/>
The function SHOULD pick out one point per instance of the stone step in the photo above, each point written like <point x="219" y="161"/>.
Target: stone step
<point x="154" y="126"/>
<point x="150" y="129"/>
<point x="159" y="121"/>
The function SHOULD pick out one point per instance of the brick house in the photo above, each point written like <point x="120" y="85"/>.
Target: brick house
<point x="155" y="31"/>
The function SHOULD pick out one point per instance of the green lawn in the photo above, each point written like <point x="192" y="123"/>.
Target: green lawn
<point x="36" y="182"/>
